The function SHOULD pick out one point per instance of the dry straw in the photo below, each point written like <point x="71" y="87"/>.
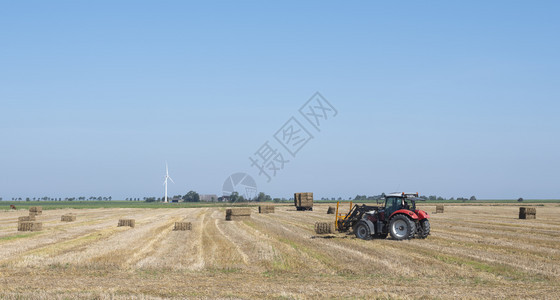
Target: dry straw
<point x="303" y="200"/>
<point x="237" y="214"/>
<point x="323" y="227"/>
<point x="26" y="218"/>
<point x="30" y="226"/>
<point x="527" y="213"/>
<point x="36" y="209"/>
<point x="182" y="226"/>
<point x="127" y="222"/>
<point x="266" y="209"/>
<point x="68" y="218"/>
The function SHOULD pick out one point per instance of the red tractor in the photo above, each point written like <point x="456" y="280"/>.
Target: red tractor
<point x="398" y="217"/>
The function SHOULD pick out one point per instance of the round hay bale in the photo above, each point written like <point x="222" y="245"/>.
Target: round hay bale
<point x="323" y="227"/>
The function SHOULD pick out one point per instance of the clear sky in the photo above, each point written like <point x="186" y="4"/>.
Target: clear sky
<point x="438" y="97"/>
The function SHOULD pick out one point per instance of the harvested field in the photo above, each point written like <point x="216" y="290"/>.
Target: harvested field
<point x="473" y="252"/>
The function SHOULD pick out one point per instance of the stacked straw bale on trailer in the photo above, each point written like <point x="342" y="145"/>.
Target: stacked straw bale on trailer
<point x="36" y="210"/>
<point x="266" y="209"/>
<point x="236" y="214"/>
<point x="324" y="227"/>
<point x="30" y="226"/>
<point x="127" y="222"/>
<point x="331" y="210"/>
<point x="68" y="218"/>
<point x="527" y="213"/>
<point x="303" y="201"/>
<point x="182" y="226"/>
<point x="439" y="208"/>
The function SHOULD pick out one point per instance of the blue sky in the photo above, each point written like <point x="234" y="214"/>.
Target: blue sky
<point x="447" y="98"/>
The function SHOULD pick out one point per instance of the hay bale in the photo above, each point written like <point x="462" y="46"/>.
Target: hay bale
<point x="527" y="213"/>
<point x="324" y="227"/>
<point x="36" y="209"/>
<point x="68" y="218"/>
<point x="439" y="208"/>
<point x="266" y="209"/>
<point x="331" y="210"/>
<point x="182" y="226"/>
<point x="127" y="222"/>
<point x="237" y="214"/>
<point x="303" y="201"/>
<point x="26" y="218"/>
<point x="30" y="226"/>
<point x="33" y="214"/>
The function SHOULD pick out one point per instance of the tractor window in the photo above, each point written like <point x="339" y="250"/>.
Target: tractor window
<point x="392" y="204"/>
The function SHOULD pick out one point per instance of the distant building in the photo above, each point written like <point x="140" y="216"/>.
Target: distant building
<point x="208" y="198"/>
<point x="176" y="199"/>
<point x="223" y="199"/>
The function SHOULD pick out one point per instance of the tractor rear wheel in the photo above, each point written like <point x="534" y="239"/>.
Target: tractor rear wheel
<point x="361" y="230"/>
<point x="402" y="228"/>
<point x="424" y="229"/>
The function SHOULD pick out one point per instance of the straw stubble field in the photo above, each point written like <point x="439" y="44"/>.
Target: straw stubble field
<point x="473" y="252"/>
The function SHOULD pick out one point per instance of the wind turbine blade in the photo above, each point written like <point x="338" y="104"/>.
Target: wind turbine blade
<point x="171" y="179"/>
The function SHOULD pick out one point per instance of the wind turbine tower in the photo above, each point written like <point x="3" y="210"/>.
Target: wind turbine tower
<point x="165" y="182"/>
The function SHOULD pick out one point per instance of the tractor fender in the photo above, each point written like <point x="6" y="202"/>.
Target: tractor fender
<point x="370" y="225"/>
<point x="422" y="215"/>
<point x="405" y="212"/>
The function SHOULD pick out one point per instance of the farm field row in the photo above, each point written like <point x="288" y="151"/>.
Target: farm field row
<point x="473" y="252"/>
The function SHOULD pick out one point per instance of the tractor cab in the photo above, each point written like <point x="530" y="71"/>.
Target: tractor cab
<point x="397" y="201"/>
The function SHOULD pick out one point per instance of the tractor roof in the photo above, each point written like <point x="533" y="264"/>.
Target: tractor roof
<point x="404" y="195"/>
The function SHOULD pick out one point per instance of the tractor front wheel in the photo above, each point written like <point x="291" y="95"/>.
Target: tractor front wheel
<point x="402" y="228"/>
<point x="424" y="229"/>
<point x="362" y="231"/>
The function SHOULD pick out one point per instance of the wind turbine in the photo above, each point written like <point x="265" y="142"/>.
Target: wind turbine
<point x="165" y="182"/>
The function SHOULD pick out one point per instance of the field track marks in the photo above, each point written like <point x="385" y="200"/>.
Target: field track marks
<point x="52" y="236"/>
<point x="150" y="246"/>
<point x="179" y="249"/>
<point x="216" y="248"/>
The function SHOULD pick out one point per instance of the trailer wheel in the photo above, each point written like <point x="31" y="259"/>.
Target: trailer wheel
<point x="402" y="228"/>
<point x="362" y="231"/>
